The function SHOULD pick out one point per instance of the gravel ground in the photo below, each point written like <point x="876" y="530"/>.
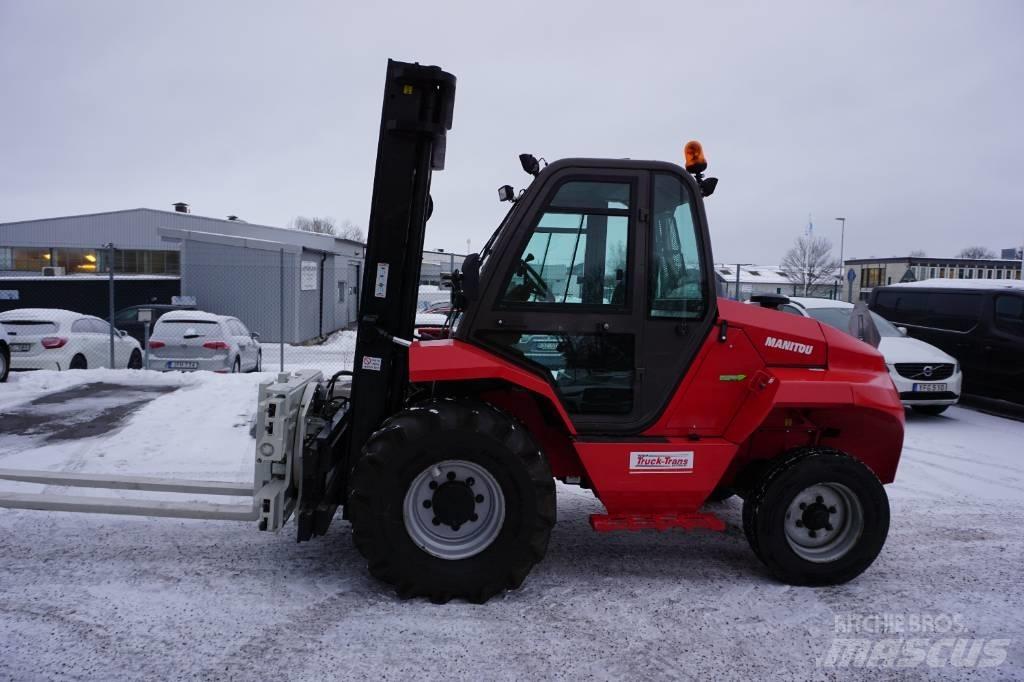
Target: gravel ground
<point x="100" y="597"/>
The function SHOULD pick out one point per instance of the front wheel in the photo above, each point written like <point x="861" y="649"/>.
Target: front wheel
<point x="259" y="362"/>
<point x="135" y="361"/>
<point x="5" y="362"/>
<point x="237" y="367"/>
<point x="817" y="517"/>
<point x="78" y="362"/>
<point x="451" y="499"/>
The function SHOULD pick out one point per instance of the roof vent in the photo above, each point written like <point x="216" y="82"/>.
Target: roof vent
<point x="233" y="217"/>
<point x="181" y="207"/>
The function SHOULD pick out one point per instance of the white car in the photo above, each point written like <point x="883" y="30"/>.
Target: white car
<point x="5" y="355"/>
<point x="192" y="340"/>
<point x="44" y="338"/>
<point x="927" y="379"/>
<point x="428" y="300"/>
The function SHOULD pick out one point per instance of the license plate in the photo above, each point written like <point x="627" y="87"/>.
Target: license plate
<point x="547" y="345"/>
<point x="178" y="364"/>
<point x="929" y="388"/>
<point x="21" y="347"/>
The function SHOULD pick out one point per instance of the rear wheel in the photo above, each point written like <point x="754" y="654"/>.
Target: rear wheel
<point x="135" y="361"/>
<point x="259" y="362"/>
<point x="817" y="517"/>
<point x="78" y="362"/>
<point x="5" y="362"/>
<point x="237" y="367"/>
<point x="452" y="499"/>
<point x="933" y="410"/>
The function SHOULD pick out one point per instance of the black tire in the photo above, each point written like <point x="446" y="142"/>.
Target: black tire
<point x="79" y="362"/>
<point x="766" y="507"/>
<point x="259" y="362"/>
<point x="135" y="361"/>
<point x="5" y="362"/>
<point x="933" y="410"/>
<point x="396" y="456"/>
<point x="237" y="367"/>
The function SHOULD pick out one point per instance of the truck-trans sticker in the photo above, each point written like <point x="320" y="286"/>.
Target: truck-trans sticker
<point x="371" y="363"/>
<point x="786" y="344"/>
<point x="661" y="462"/>
<point x="380" y="287"/>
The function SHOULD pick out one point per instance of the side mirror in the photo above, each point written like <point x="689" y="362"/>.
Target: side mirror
<point x="530" y="164"/>
<point x="122" y="333"/>
<point x="255" y="335"/>
<point x="902" y="330"/>
<point x="468" y="289"/>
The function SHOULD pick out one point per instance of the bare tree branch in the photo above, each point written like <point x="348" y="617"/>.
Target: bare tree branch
<point x="314" y="224"/>
<point x="351" y="231"/>
<point x="810" y="263"/>
<point x="918" y="253"/>
<point x="977" y="252"/>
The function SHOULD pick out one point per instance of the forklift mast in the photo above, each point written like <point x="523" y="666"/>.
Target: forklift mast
<point x="417" y="112"/>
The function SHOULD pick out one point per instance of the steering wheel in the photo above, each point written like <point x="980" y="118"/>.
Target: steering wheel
<point x="536" y="283"/>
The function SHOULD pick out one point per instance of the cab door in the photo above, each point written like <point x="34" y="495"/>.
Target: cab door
<point x="577" y="297"/>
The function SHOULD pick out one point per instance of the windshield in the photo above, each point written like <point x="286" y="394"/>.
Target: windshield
<point x="840" y="319"/>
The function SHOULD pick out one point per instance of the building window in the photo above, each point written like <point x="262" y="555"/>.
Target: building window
<point x="931" y="274"/>
<point x="960" y="273"/>
<point x="76" y="260"/>
<point x="872" y="277"/>
<point x="999" y="274"/>
<point x="30" y="259"/>
<point x="989" y="275"/>
<point x="6" y="258"/>
<point x="942" y="273"/>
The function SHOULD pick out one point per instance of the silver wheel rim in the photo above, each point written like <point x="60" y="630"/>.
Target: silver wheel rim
<point x="824" y="522"/>
<point x="440" y="492"/>
<point x="3" y="364"/>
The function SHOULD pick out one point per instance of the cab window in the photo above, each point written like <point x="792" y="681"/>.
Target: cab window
<point x="577" y="253"/>
<point x="676" y="280"/>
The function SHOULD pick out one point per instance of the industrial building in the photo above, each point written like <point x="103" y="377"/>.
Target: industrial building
<point x="740" y="282"/>
<point x="272" y="278"/>
<point x="876" y="272"/>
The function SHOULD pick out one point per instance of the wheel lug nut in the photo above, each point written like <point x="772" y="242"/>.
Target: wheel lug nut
<point x="831" y="510"/>
<point x="426" y="504"/>
<point x="799" y="523"/>
<point x="819" y="499"/>
<point x="479" y="498"/>
<point x="451" y="475"/>
<point x="456" y="526"/>
<point x="828" y="526"/>
<point x="473" y="517"/>
<point x="433" y="485"/>
<point x="470" y="481"/>
<point x="436" y="521"/>
<point x="812" y="533"/>
<point x="803" y="505"/>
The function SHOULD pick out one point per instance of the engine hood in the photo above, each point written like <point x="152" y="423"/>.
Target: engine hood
<point x="905" y="349"/>
<point x="785" y="340"/>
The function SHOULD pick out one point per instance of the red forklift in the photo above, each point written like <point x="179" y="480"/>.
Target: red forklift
<point x="585" y="344"/>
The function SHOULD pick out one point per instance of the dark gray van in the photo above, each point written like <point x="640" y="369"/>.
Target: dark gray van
<point x="979" y="322"/>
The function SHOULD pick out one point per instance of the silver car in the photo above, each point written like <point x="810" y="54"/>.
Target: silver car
<point x="190" y="340"/>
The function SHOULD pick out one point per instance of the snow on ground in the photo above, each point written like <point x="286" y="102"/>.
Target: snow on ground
<point x="106" y="597"/>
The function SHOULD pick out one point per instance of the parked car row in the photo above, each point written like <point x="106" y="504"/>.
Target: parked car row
<point x="182" y="339"/>
<point x="928" y="380"/>
<point x="980" y="322"/>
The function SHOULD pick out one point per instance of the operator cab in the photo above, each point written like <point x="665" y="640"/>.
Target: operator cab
<point x="600" y="271"/>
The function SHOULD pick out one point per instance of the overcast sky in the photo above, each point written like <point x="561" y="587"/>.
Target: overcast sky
<point x="905" y="118"/>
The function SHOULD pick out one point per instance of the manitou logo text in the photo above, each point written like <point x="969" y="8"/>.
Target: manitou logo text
<point x="660" y="462"/>
<point x="786" y="344"/>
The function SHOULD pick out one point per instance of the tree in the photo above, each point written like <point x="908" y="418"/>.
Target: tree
<point x="351" y="231"/>
<point x="810" y="263"/>
<point x="326" y="225"/>
<point x="976" y="252"/>
<point x="918" y="253"/>
<point x="318" y="225"/>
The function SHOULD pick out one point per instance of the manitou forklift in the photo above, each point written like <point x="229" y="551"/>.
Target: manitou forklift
<point x="585" y="344"/>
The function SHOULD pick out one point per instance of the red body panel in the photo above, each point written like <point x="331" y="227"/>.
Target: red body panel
<point x="777" y="382"/>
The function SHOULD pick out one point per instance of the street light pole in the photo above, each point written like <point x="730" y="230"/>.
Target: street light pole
<point x="842" y="243"/>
